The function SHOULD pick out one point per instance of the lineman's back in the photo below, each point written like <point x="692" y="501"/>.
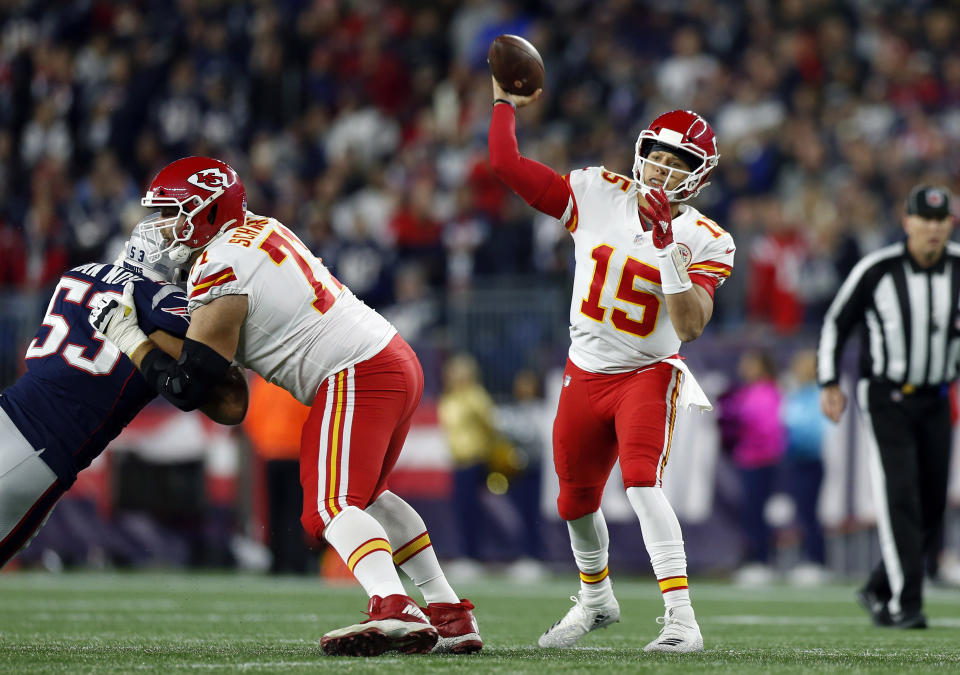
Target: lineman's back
<point x="302" y="324"/>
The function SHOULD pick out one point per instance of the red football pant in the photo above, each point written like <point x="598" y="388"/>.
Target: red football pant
<point x="355" y="431"/>
<point x="603" y="417"/>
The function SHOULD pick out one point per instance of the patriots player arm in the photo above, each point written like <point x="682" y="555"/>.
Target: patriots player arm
<point x="689" y="311"/>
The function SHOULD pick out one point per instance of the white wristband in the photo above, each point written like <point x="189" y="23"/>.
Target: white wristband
<point x="129" y="339"/>
<point x="673" y="273"/>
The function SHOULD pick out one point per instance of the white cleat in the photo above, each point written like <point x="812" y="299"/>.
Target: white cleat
<point x="680" y="633"/>
<point x="579" y="621"/>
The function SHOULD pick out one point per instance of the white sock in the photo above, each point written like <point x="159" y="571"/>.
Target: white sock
<point x="362" y="543"/>
<point x="664" y="542"/>
<point x="590" y="542"/>
<point x="412" y="549"/>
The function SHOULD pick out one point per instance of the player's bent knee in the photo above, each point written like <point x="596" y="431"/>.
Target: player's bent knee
<point x="576" y="502"/>
<point x="313" y="524"/>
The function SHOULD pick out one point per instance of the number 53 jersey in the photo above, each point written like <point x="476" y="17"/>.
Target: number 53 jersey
<point x="302" y="324"/>
<point x="618" y="315"/>
<point x="79" y="390"/>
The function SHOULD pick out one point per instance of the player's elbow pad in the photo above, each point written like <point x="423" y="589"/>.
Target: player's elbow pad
<point x="186" y="382"/>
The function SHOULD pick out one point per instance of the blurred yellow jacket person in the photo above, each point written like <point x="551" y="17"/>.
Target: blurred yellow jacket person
<point x="467" y="416"/>
<point x="466" y="412"/>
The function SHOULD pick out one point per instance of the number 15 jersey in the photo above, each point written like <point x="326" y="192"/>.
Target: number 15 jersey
<point x="618" y="315"/>
<point x="302" y="324"/>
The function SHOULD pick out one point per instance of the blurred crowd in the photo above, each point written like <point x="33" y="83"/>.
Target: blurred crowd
<point x="362" y="125"/>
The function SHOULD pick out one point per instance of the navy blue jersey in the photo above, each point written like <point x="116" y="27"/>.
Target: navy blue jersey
<point x="79" y="390"/>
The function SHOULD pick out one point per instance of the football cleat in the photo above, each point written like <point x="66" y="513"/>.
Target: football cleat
<point x="875" y="607"/>
<point x="579" y="621"/>
<point x="396" y="623"/>
<point x="459" y="633"/>
<point x="908" y="620"/>
<point x="680" y="632"/>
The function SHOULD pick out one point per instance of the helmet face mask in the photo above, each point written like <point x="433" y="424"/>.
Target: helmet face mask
<point x="138" y="256"/>
<point x="198" y="198"/>
<point x="688" y="136"/>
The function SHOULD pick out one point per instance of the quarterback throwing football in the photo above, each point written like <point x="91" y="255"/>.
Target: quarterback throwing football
<point x="647" y="267"/>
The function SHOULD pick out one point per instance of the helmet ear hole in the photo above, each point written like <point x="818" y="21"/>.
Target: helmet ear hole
<point x="212" y="214"/>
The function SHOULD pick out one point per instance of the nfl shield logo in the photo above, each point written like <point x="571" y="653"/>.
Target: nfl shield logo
<point x="638" y="239"/>
<point x="566" y="380"/>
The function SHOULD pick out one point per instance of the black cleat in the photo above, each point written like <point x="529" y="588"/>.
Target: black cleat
<point x="908" y="620"/>
<point x="875" y="607"/>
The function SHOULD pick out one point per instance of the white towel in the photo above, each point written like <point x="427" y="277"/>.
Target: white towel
<point x="691" y="394"/>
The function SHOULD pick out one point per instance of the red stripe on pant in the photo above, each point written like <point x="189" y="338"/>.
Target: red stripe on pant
<point x="336" y="423"/>
<point x="376" y="404"/>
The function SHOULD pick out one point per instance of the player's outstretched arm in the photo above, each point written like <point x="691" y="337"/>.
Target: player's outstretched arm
<point x="537" y="184"/>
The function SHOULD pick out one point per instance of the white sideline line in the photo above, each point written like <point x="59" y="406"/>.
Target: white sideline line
<point x="758" y="620"/>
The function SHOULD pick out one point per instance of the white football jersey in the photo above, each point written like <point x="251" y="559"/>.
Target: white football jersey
<point x="302" y="324"/>
<point x="618" y="316"/>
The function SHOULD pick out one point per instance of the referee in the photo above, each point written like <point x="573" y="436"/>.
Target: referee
<point x="904" y="299"/>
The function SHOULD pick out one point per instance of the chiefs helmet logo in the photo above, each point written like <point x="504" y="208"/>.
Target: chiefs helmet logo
<point x="685" y="255"/>
<point x="210" y="179"/>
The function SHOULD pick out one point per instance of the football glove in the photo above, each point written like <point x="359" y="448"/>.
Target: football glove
<point x="658" y="213"/>
<point x="673" y="271"/>
<point x="117" y="320"/>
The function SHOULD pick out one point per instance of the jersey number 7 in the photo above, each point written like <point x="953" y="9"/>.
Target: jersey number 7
<point x="279" y="244"/>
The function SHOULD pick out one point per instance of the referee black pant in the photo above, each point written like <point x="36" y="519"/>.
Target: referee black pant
<point x="909" y="440"/>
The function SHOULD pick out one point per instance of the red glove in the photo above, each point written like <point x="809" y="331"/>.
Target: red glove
<point x="661" y="220"/>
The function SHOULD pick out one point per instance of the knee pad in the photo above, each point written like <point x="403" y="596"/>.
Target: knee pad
<point x="576" y="502"/>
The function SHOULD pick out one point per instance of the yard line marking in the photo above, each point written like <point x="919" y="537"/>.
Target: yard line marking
<point x="757" y="620"/>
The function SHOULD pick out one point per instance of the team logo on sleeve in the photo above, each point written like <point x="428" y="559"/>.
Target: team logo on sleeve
<point x="176" y="311"/>
<point x="685" y="255"/>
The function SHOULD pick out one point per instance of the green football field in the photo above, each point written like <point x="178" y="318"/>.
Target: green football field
<point x="226" y="623"/>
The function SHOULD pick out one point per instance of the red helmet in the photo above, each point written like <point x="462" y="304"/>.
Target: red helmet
<point x="209" y="198"/>
<point x="691" y="138"/>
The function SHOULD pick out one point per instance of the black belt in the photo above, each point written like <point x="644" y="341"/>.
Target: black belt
<point x="907" y="389"/>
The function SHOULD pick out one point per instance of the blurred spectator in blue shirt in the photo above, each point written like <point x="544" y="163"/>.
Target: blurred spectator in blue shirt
<point x="803" y="465"/>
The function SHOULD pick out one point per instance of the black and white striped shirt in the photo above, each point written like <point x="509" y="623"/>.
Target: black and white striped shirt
<point x="910" y="316"/>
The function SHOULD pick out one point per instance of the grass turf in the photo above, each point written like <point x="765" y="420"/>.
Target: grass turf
<point x="178" y="622"/>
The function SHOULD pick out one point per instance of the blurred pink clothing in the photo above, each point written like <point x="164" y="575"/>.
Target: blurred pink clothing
<point x="761" y="438"/>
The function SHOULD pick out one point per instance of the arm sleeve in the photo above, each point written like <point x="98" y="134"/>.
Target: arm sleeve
<point x="537" y="184"/>
<point x="185" y="382"/>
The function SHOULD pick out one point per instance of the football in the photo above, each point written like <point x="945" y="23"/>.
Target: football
<point x="516" y="65"/>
